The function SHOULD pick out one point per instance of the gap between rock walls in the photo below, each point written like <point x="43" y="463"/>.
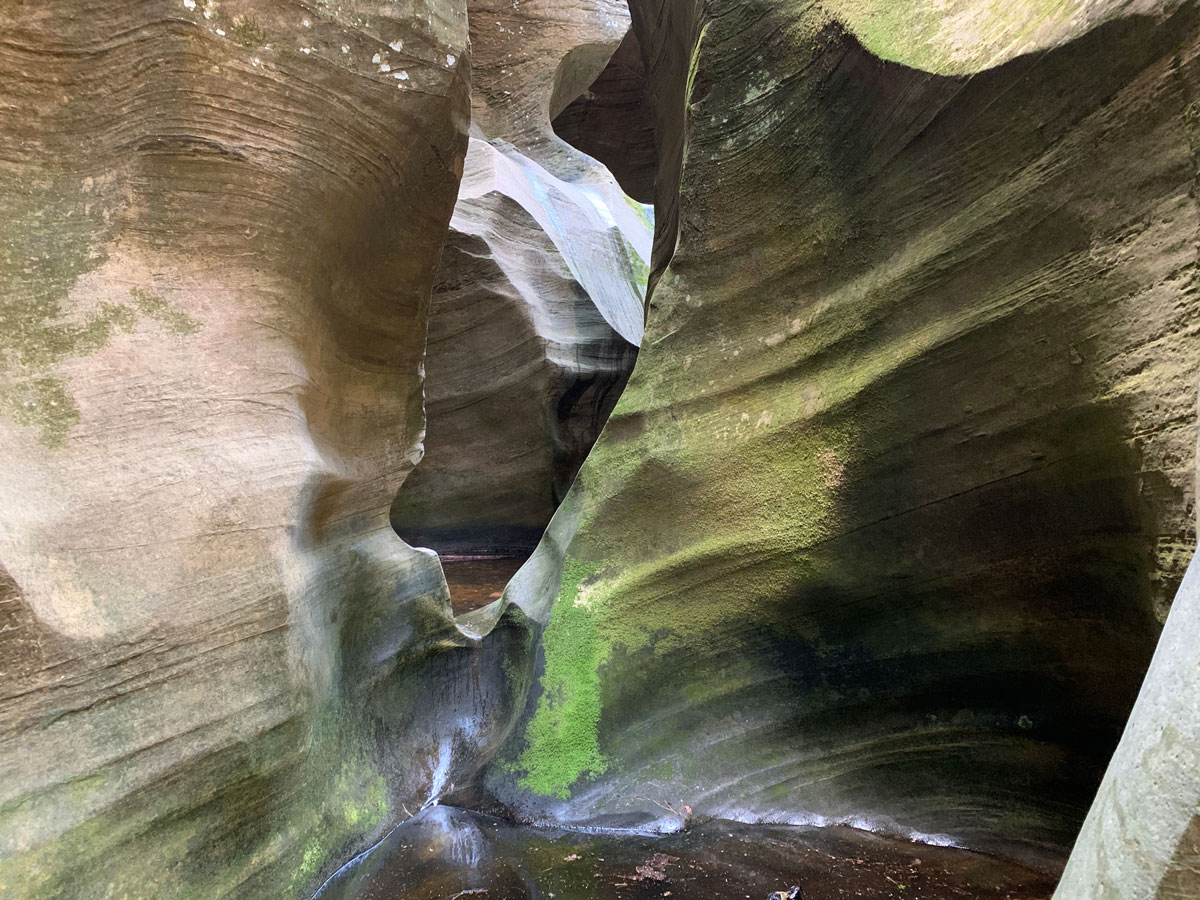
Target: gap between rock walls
<point x="535" y="322"/>
<point x="539" y="299"/>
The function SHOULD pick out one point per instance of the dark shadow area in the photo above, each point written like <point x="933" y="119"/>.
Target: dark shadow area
<point x="612" y="122"/>
<point x="510" y="418"/>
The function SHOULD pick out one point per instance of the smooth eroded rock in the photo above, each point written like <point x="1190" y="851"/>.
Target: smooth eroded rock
<point x="538" y="309"/>
<point x="885" y="525"/>
<point x="220" y="228"/>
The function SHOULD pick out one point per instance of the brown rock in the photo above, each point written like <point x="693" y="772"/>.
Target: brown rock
<point x="220" y="227"/>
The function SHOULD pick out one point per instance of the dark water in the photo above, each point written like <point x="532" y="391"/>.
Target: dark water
<point x="448" y="853"/>
<point x="477" y="581"/>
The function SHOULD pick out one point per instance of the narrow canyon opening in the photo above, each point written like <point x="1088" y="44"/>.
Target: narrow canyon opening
<point x="533" y="323"/>
<point x="344" y="547"/>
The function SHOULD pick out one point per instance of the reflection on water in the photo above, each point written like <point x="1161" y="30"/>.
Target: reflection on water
<point x="447" y="853"/>
<point x="476" y="581"/>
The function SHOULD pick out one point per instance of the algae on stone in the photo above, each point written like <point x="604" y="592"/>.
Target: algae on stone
<point x="562" y="737"/>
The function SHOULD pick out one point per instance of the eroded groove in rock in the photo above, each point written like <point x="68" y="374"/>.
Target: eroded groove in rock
<point x="612" y="121"/>
<point x="667" y="32"/>
<point x="885" y="524"/>
<point x="523" y="367"/>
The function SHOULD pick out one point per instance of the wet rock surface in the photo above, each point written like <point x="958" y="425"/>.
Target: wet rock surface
<point x="446" y="852"/>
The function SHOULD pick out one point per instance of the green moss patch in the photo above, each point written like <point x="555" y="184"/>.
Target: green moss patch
<point x="156" y="308"/>
<point x="562" y="737"/>
<point x="51" y="235"/>
<point x="264" y="818"/>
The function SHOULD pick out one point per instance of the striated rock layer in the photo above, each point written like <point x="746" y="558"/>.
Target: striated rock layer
<point x="220" y="226"/>
<point x="536" y="318"/>
<point x="885" y="525"/>
<point x="882" y="532"/>
<point x="538" y="307"/>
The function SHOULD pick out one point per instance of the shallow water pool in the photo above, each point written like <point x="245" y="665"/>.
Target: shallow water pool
<point x="447" y="853"/>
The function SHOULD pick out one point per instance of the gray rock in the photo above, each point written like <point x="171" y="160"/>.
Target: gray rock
<point x="1141" y="838"/>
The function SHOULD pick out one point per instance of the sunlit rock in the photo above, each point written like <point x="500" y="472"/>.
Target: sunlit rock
<point x="221" y="222"/>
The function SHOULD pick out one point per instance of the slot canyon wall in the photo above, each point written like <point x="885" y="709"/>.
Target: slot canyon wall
<point x="883" y="528"/>
<point x="885" y="525"/>
<point x="221" y="222"/>
<point x="224" y="674"/>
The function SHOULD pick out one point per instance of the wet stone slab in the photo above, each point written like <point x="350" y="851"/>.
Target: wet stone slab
<point x="450" y="853"/>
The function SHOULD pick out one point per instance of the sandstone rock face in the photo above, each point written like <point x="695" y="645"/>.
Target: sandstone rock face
<point x="221" y="221"/>
<point x="886" y="523"/>
<point x="530" y="60"/>
<point x="536" y="318"/>
<point x="539" y="304"/>
<point x="882" y="531"/>
<point x="1141" y="839"/>
<point x="962" y="37"/>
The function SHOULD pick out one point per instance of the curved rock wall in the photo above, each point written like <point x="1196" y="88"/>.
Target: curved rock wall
<point x="612" y="121"/>
<point x="539" y="304"/>
<point x="886" y="523"/>
<point x="220" y="226"/>
<point x="882" y="531"/>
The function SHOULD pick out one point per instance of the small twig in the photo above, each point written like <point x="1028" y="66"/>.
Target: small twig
<point x="672" y="810"/>
<point x="467" y="893"/>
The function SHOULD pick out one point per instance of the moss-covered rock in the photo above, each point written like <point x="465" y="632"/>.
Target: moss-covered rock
<point x="884" y="526"/>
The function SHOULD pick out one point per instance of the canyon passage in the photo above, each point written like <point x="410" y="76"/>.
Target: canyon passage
<point x="591" y="449"/>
